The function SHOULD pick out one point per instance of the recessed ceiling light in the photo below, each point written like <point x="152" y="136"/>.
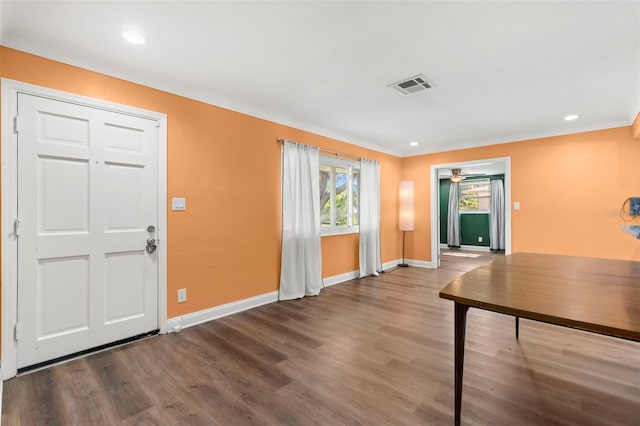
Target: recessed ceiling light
<point x="133" y="37"/>
<point x="414" y="143"/>
<point x="571" y="117"/>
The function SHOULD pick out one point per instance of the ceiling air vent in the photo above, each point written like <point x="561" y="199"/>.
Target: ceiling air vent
<point x="410" y="85"/>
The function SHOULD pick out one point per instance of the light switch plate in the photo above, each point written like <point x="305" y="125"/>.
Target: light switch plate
<point x="178" y="204"/>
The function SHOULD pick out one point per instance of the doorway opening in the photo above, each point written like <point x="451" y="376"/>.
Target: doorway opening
<point x="479" y="170"/>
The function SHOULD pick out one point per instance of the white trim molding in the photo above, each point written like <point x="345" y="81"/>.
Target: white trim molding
<point x="9" y="213"/>
<point x="410" y="262"/>
<point x="353" y="275"/>
<point x="337" y="279"/>
<point x="467" y="247"/>
<point x="176" y="324"/>
<point x="419" y="263"/>
<point x="1" y="386"/>
<point x="475" y="248"/>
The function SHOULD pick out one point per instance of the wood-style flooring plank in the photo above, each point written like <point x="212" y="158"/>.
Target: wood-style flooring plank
<point x="374" y="351"/>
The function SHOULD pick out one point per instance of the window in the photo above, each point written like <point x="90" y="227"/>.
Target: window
<point x="339" y="183"/>
<point x="475" y="196"/>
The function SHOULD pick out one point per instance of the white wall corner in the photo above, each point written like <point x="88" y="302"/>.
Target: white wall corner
<point x="177" y="323"/>
<point x="337" y="279"/>
<point x="419" y="263"/>
<point x="390" y="265"/>
<point x="410" y="262"/>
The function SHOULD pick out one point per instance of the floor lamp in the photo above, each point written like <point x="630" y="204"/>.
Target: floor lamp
<point x="405" y="212"/>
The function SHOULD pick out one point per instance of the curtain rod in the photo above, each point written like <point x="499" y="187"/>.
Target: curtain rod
<point x="330" y="151"/>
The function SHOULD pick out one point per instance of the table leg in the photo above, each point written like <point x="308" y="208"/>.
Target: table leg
<point x="517" y="328"/>
<point x="459" y="327"/>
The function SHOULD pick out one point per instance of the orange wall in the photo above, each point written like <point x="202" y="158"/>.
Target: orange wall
<point x="570" y="189"/>
<point x="636" y="127"/>
<point x="226" y="246"/>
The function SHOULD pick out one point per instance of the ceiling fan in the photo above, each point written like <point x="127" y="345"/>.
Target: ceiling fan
<point x="457" y="175"/>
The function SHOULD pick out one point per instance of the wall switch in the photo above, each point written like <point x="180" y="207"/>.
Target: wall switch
<point x="479" y="239"/>
<point x="516" y="205"/>
<point x="182" y="295"/>
<point x="178" y="204"/>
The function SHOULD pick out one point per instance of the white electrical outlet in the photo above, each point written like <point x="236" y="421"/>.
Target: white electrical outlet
<point x="479" y="239"/>
<point x="182" y="295"/>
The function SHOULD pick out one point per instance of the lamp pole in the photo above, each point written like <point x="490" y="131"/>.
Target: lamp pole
<point x="403" y="265"/>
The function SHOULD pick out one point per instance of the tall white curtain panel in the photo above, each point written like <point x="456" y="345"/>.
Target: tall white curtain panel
<point x="301" y="267"/>
<point x="453" y="220"/>
<point x="496" y="215"/>
<point x="369" y="212"/>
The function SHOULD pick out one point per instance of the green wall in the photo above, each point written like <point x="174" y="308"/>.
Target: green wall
<point x="472" y="225"/>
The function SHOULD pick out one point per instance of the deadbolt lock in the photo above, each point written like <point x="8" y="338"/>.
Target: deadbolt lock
<point x="151" y="245"/>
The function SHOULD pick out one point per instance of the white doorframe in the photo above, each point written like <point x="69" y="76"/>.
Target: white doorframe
<point x="435" y="202"/>
<point x="9" y="188"/>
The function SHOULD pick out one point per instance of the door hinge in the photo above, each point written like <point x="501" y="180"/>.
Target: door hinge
<point x="16" y="124"/>
<point x="17" y="227"/>
<point x="158" y="124"/>
<point x="16" y="332"/>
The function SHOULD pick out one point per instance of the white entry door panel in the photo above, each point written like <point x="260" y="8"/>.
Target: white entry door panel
<point x="87" y="191"/>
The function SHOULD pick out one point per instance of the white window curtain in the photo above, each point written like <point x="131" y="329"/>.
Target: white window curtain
<point x="369" y="213"/>
<point x="453" y="219"/>
<point x="496" y="215"/>
<point x="301" y="267"/>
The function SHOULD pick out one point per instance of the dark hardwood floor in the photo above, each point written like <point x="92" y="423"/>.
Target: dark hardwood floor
<point x="373" y="351"/>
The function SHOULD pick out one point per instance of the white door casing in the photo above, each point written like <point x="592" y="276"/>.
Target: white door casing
<point x="435" y="200"/>
<point x="90" y="180"/>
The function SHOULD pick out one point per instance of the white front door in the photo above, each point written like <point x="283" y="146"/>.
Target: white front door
<point x="87" y="193"/>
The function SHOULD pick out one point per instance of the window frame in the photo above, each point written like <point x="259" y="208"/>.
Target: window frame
<point x="333" y="162"/>
<point x="474" y="182"/>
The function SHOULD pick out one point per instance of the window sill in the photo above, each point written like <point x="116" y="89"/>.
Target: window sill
<point x="330" y="231"/>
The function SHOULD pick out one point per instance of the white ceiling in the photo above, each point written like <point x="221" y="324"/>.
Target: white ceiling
<point x="502" y="71"/>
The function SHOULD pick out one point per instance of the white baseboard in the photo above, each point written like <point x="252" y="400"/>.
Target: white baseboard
<point x="1" y="383"/>
<point x="390" y="265"/>
<point x="419" y="263"/>
<point x="188" y="320"/>
<point x="177" y="323"/>
<point x="394" y="264"/>
<point x="476" y="248"/>
<point x="337" y="279"/>
<point x="410" y="262"/>
<point x="465" y="247"/>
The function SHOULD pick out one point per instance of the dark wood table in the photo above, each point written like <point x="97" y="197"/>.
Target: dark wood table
<point x="597" y="295"/>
